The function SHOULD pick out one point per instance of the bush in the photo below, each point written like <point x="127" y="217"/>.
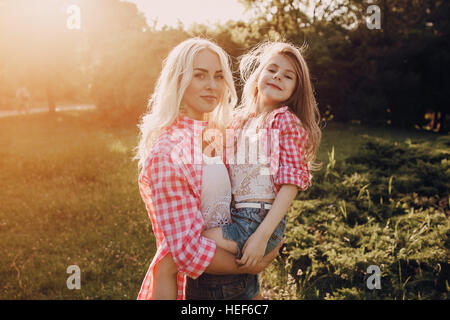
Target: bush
<point x="386" y="206"/>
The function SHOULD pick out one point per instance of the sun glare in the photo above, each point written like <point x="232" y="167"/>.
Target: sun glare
<point x="169" y="12"/>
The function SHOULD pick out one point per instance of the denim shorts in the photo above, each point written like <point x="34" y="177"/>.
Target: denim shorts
<point x="245" y="222"/>
<point x="222" y="287"/>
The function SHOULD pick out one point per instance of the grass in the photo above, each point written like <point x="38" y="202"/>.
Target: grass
<point x="70" y="197"/>
<point x="348" y="138"/>
<point x="384" y="203"/>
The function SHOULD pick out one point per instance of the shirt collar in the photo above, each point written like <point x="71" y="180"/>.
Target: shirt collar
<point x="185" y="121"/>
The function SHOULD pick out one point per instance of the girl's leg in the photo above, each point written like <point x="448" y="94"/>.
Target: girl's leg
<point x="165" y="281"/>
<point x="216" y="235"/>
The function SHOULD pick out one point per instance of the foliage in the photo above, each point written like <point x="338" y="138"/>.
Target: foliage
<point x="38" y="51"/>
<point x="389" y="76"/>
<point x="392" y="76"/>
<point x="71" y="197"/>
<point x="127" y="55"/>
<point x="387" y="205"/>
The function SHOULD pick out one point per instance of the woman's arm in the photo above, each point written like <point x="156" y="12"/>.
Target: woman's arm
<point x="225" y="262"/>
<point x="173" y="208"/>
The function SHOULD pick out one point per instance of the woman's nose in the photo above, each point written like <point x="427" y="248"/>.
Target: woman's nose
<point x="211" y="84"/>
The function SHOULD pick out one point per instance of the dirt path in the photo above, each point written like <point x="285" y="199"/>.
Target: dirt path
<point x="10" y="113"/>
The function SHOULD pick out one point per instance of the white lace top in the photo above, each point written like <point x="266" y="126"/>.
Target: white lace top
<point x="215" y="198"/>
<point x="250" y="178"/>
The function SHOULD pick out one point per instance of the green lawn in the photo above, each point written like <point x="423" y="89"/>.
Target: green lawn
<point x="70" y="197"/>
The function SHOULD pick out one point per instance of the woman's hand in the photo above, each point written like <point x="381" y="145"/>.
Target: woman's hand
<point x="253" y="250"/>
<point x="264" y="262"/>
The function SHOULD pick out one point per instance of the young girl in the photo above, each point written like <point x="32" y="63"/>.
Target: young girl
<point x="277" y="98"/>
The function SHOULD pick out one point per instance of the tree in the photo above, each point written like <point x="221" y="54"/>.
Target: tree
<point x="40" y="51"/>
<point x="391" y="75"/>
<point x="126" y="55"/>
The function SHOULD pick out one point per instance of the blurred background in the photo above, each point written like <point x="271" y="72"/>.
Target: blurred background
<point x="396" y="75"/>
<point x="76" y="75"/>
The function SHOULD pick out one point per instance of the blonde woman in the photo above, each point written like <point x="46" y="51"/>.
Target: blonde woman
<point x="195" y="91"/>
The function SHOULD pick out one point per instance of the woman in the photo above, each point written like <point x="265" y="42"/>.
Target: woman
<point x="195" y="91"/>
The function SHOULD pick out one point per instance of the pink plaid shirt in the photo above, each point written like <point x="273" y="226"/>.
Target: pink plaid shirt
<point x="170" y="186"/>
<point x="293" y="139"/>
<point x="285" y="140"/>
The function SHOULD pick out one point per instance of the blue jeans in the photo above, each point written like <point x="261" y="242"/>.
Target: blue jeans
<point x="245" y="223"/>
<point x="222" y="287"/>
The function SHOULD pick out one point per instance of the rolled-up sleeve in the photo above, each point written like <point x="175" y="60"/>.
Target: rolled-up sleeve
<point x="177" y="213"/>
<point x="293" y="140"/>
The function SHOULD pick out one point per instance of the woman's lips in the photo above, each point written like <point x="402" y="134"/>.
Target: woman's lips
<point x="209" y="98"/>
<point x="274" y="86"/>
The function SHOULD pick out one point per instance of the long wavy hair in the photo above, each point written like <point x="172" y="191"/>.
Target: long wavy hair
<point x="302" y="101"/>
<point x="164" y="105"/>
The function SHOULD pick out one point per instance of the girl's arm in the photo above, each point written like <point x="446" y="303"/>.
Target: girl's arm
<point x="225" y="262"/>
<point x="280" y="207"/>
<point x="256" y="244"/>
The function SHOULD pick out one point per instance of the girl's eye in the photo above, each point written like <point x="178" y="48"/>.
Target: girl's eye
<point x="199" y="75"/>
<point x="289" y="77"/>
<point x="271" y="70"/>
<point x="219" y="77"/>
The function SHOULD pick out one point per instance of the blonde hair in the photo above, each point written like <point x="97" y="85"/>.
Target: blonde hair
<point x="164" y="104"/>
<point x="302" y="101"/>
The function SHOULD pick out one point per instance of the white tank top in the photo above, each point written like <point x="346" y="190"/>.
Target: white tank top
<point x="215" y="199"/>
<point x="250" y="178"/>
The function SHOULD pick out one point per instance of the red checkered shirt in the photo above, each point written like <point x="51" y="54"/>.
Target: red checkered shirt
<point x="293" y="139"/>
<point x="170" y="186"/>
<point x="285" y="141"/>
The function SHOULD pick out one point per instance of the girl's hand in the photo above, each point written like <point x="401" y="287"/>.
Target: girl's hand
<point x="264" y="262"/>
<point x="253" y="250"/>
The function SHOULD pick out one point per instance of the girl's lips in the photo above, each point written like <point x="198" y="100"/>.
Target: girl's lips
<point x="274" y="86"/>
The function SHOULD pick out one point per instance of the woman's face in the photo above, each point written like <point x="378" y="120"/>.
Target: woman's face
<point x="207" y="85"/>
<point x="277" y="81"/>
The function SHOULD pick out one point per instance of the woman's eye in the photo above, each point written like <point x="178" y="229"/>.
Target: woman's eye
<point x="271" y="70"/>
<point x="199" y="75"/>
<point x="220" y="77"/>
<point x="289" y="77"/>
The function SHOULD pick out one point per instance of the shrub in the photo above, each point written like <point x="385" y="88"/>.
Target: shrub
<point x="387" y="206"/>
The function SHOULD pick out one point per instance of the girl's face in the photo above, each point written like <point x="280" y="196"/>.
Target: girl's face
<point x="207" y="85"/>
<point x="277" y="81"/>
